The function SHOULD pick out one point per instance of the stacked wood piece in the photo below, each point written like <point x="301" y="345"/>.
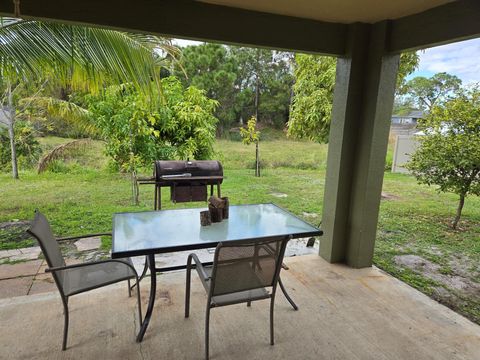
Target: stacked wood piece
<point x="218" y="208"/>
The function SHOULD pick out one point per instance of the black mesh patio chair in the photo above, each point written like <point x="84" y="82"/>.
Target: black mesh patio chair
<point x="241" y="272"/>
<point x="78" y="278"/>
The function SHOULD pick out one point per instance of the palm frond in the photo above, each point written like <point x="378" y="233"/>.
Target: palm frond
<point x="67" y="111"/>
<point x="85" y="57"/>
<point x="59" y="152"/>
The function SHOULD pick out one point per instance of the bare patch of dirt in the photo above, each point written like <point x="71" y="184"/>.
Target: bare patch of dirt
<point x="432" y="271"/>
<point x="387" y="196"/>
<point x="12" y="232"/>
<point x="458" y="289"/>
<point x="14" y="224"/>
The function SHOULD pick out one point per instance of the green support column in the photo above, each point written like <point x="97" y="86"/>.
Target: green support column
<point x="362" y="106"/>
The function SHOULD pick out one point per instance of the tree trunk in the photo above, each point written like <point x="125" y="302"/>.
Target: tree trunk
<point x="11" y="132"/>
<point x="257" y="86"/>
<point x="135" y="192"/>
<point x="257" y="160"/>
<point x="459" y="211"/>
<point x="257" y="97"/>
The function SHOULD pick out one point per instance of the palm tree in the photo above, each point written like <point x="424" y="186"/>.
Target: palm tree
<point x="79" y="57"/>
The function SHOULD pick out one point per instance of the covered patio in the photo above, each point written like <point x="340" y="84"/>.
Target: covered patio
<point x="344" y="313"/>
<point x="348" y="309"/>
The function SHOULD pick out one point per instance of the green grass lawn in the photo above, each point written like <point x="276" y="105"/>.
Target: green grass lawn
<point x="83" y="194"/>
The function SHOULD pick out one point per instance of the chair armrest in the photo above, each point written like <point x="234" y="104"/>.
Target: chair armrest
<point x="83" y="236"/>
<point x="59" y="268"/>
<point x="198" y="265"/>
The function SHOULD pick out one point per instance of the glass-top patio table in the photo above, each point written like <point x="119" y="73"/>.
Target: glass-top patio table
<point x="155" y="232"/>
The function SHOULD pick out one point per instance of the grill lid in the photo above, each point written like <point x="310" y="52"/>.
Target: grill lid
<point x="187" y="168"/>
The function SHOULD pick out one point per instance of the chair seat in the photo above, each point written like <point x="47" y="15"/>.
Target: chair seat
<point x="89" y="277"/>
<point x="236" y="297"/>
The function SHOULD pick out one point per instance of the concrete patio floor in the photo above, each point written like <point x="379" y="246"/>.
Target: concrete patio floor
<point x="344" y="314"/>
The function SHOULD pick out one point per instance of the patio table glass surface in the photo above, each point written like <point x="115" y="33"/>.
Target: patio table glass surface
<point x="143" y="233"/>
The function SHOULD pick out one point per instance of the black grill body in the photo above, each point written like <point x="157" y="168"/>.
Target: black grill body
<point x="188" y="180"/>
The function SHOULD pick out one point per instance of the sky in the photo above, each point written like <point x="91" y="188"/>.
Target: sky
<point x="461" y="59"/>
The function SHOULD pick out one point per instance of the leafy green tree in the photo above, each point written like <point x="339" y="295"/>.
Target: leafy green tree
<point x="245" y="81"/>
<point x="250" y="135"/>
<point x="313" y="95"/>
<point x="136" y="133"/>
<point x="276" y="92"/>
<point x="211" y="67"/>
<point x="310" y="112"/>
<point x="264" y="81"/>
<point x="187" y="123"/>
<point x="408" y="64"/>
<point x="449" y="153"/>
<point x="428" y="92"/>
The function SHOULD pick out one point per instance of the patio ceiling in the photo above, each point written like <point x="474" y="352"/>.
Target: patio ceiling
<point x="340" y="11"/>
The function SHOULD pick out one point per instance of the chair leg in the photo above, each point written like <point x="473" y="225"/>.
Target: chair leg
<point x="249" y="303"/>
<point x="139" y="302"/>
<point x="129" y="289"/>
<point x="272" y="303"/>
<point x="187" y="293"/>
<point x="207" y="331"/>
<point x="65" y="325"/>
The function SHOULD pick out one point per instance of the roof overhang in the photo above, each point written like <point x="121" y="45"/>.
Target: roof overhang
<point x="428" y="23"/>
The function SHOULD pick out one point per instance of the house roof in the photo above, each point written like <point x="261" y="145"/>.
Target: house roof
<point x="415" y="114"/>
<point x="340" y="11"/>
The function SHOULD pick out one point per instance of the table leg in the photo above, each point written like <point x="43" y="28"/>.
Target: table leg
<point x="151" y="301"/>
<point x="295" y="307"/>
<point x="144" y="272"/>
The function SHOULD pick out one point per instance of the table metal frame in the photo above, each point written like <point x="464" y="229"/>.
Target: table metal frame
<point x="150" y="261"/>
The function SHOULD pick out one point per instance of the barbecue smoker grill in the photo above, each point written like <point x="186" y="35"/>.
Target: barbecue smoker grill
<point x="188" y="180"/>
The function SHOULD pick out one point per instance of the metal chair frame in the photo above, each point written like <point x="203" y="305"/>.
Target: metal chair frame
<point x="209" y="282"/>
<point x="54" y="271"/>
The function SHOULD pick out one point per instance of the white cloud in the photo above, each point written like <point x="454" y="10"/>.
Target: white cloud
<point x="182" y="42"/>
<point x="461" y="59"/>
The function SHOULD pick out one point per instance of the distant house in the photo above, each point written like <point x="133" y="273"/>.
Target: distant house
<point x="409" y="119"/>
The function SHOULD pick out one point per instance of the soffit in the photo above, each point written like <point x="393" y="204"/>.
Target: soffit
<point x="340" y="11"/>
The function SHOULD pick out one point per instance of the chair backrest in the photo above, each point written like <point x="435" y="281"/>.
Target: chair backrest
<point x="40" y="229"/>
<point x="247" y="265"/>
